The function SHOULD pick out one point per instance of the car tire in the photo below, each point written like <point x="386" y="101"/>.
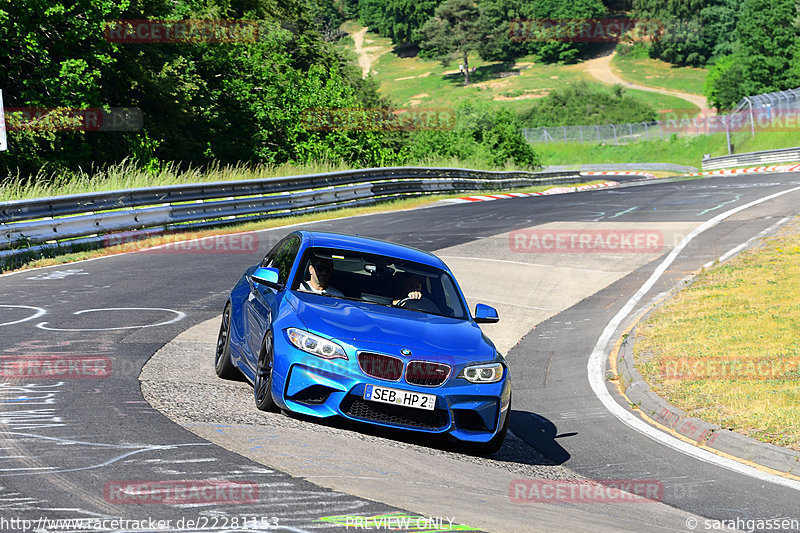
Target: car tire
<point x="223" y="365"/>
<point x="494" y="445"/>
<point x="262" y="387"/>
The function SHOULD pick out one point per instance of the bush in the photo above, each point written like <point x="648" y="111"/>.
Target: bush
<point x="580" y="104"/>
<point x="633" y="51"/>
<point x="480" y="135"/>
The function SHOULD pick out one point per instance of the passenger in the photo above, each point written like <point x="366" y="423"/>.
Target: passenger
<point x="320" y="270"/>
<point x="410" y="287"/>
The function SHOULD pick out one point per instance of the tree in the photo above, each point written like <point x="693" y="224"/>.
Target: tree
<point x="201" y="102"/>
<point x="768" y="39"/>
<point x="453" y="32"/>
<point x="723" y="84"/>
<point x="555" y="50"/>
<point x="695" y="31"/>
<point x="767" y="58"/>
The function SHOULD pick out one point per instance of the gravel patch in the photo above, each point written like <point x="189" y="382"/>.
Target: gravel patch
<point x="231" y="403"/>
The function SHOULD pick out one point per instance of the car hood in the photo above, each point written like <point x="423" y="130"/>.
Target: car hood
<point x="378" y="327"/>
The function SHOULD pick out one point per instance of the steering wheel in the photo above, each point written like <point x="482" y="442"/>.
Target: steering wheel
<point x="418" y="304"/>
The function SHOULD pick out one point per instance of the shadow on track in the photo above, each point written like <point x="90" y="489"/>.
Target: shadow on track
<point x="540" y="434"/>
<point x="535" y="445"/>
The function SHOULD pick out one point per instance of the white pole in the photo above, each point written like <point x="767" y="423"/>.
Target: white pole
<point x="3" y="145"/>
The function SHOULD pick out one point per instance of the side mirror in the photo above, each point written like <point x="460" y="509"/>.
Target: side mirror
<point x="485" y="314"/>
<point x="266" y="276"/>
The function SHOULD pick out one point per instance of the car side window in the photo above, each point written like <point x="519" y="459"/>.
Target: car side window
<point x="271" y="254"/>
<point x="284" y="257"/>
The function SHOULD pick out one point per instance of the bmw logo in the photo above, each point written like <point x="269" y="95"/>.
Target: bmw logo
<point x="406" y="352"/>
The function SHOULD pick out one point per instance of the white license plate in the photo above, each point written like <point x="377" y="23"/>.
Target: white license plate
<point x="400" y="397"/>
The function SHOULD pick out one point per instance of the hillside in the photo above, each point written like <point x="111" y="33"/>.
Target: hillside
<point x="412" y="81"/>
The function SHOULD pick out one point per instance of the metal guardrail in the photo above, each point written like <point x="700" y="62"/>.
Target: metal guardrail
<point x="784" y="155"/>
<point x="27" y="225"/>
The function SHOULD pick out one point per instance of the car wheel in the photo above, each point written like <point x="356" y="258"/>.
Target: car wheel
<point x="222" y="360"/>
<point x="494" y="445"/>
<point x="263" y="381"/>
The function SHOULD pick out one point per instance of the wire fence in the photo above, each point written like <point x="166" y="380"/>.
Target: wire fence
<point x="778" y="111"/>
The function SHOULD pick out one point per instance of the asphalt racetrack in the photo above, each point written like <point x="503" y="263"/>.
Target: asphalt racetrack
<point x="90" y="446"/>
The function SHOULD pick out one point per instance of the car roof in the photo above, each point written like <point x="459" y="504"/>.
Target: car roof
<point x="324" y="239"/>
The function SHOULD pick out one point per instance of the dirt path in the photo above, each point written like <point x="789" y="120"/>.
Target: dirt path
<point x="365" y="55"/>
<point x="600" y="68"/>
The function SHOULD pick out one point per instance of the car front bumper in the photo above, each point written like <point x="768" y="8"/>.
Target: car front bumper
<point x="320" y="388"/>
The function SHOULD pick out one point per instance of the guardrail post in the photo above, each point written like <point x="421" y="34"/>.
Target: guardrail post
<point x="728" y="134"/>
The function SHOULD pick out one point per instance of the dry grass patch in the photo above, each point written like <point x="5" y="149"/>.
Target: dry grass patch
<point x="726" y="349"/>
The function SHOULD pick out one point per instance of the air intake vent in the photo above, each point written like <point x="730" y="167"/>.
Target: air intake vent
<point x="395" y="415"/>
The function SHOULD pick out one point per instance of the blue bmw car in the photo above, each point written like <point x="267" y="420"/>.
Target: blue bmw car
<point x="371" y="331"/>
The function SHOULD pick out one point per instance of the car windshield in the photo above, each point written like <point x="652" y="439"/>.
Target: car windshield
<point x="380" y="280"/>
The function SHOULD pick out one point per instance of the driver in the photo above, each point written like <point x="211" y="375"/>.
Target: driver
<point x="410" y="287"/>
<point x="320" y="270"/>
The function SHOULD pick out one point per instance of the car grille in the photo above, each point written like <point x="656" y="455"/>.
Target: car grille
<point x="381" y="366"/>
<point x="396" y="415"/>
<point x="427" y="374"/>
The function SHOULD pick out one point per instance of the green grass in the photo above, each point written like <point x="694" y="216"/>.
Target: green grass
<point x="726" y="350"/>
<point x="656" y="73"/>
<point x="414" y="81"/>
<point x="662" y="102"/>
<point x="127" y="175"/>
<point x="772" y="140"/>
<point x="682" y="150"/>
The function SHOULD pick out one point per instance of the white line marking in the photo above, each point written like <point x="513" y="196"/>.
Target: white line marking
<point x="178" y="317"/>
<point x="623" y="212"/>
<point x="730" y="253"/>
<point x="39" y="312"/>
<point x="596" y="366"/>
<point x="60" y="274"/>
<point x="520" y="263"/>
<point x="736" y="199"/>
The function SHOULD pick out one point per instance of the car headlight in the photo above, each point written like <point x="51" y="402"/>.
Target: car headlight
<point x="316" y="345"/>
<point x="491" y="373"/>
